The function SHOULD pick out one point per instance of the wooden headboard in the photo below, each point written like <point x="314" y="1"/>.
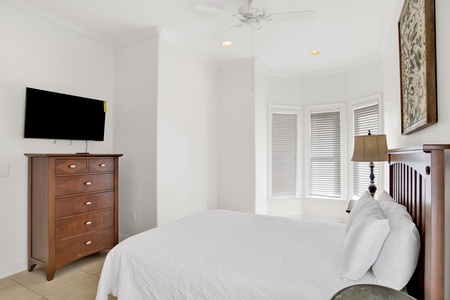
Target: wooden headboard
<point x="416" y="180"/>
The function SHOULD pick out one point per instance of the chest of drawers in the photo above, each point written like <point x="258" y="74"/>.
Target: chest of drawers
<point x="72" y="207"/>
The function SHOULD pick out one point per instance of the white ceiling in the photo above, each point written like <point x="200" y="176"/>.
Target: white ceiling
<point x="344" y="31"/>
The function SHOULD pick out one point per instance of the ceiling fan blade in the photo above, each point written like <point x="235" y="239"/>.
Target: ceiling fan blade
<point x="290" y="16"/>
<point x="212" y="10"/>
<point x="238" y="25"/>
<point x="258" y="4"/>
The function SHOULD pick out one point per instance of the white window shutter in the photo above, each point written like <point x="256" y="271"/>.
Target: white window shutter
<point x="325" y="154"/>
<point x="284" y="154"/>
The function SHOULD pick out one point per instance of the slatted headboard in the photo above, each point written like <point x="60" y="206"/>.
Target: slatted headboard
<point x="416" y="180"/>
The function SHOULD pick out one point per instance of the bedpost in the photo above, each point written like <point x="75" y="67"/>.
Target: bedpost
<point x="417" y="181"/>
<point x="434" y="270"/>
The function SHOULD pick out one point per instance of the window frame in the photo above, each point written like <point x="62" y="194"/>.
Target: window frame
<point x="307" y="156"/>
<point x="303" y="145"/>
<point x="290" y="109"/>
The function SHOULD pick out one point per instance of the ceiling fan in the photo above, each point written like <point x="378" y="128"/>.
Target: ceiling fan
<point x="253" y="14"/>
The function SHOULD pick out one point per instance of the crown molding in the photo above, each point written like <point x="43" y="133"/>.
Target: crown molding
<point x="169" y="37"/>
<point x="147" y="34"/>
<point x="160" y="33"/>
<point x="37" y="11"/>
<point x="261" y="65"/>
<point x="324" y="72"/>
<point x="240" y="62"/>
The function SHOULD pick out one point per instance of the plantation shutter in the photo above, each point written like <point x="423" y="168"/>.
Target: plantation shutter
<point x="325" y="154"/>
<point x="365" y="119"/>
<point x="284" y="154"/>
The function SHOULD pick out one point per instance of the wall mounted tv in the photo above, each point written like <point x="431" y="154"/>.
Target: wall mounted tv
<point x="56" y="116"/>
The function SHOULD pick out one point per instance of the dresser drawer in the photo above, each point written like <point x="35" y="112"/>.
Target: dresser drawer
<point x="69" y="185"/>
<point x="68" y="227"/>
<point x="100" y="165"/>
<point x="69" y="206"/>
<point x="86" y="243"/>
<point x="70" y="166"/>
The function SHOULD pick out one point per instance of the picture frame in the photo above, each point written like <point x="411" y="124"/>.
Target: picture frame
<point x="417" y="49"/>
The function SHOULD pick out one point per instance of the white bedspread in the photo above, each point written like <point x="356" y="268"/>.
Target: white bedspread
<point x="228" y="255"/>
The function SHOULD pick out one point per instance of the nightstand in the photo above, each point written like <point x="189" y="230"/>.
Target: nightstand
<point x="370" y="292"/>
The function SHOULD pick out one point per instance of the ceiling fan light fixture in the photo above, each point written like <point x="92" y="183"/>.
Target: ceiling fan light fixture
<point x="253" y="14"/>
<point x="227" y="44"/>
<point x="314" y="52"/>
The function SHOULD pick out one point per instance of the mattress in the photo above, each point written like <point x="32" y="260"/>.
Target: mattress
<point x="221" y="254"/>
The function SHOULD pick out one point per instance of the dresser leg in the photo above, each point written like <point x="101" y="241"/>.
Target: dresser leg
<point x="50" y="272"/>
<point x="31" y="267"/>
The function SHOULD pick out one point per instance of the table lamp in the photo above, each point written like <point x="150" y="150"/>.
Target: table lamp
<point x="370" y="148"/>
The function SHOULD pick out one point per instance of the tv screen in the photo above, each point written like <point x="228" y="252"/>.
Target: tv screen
<point x="51" y="115"/>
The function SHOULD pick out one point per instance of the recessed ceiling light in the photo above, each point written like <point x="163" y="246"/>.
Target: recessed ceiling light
<point x="315" y="52"/>
<point x="227" y="44"/>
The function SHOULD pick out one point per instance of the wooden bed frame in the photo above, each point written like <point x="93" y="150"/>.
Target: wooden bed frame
<point x="416" y="180"/>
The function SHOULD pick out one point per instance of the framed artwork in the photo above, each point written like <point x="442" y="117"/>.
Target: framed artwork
<point x="417" y="46"/>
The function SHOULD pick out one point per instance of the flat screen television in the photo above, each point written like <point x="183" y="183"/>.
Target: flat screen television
<point x="56" y="116"/>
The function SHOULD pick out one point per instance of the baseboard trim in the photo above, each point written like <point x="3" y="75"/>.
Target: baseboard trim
<point x="14" y="267"/>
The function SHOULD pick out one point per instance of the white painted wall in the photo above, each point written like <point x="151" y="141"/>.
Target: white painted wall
<point x="261" y="141"/>
<point x="326" y="89"/>
<point x="38" y="53"/>
<point x="136" y="90"/>
<point x="438" y="133"/>
<point x="187" y="132"/>
<point x="237" y="137"/>
<point x="166" y="127"/>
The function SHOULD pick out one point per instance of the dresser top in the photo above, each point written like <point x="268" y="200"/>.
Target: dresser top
<point x="71" y="155"/>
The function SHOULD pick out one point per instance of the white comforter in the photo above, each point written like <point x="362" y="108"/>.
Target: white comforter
<point x="228" y="255"/>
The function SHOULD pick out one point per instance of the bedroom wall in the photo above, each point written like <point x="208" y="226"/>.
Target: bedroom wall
<point x="168" y="135"/>
<point x="236" y="137"/>
<point x="187" y="131"/>
<point x="437" y="133"/>
<point x="261" y="140"/>
<point x="136" y="91"/>
<point x="43" y="54"/>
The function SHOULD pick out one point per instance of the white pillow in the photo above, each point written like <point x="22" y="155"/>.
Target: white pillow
<point x="364" y="201"/>
<point x="364" y="241"/>
<point x="384" y="196"/>
<point x="398" y="257"/>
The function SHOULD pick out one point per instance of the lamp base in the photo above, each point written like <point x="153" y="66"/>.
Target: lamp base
<point x="372" y="188"/>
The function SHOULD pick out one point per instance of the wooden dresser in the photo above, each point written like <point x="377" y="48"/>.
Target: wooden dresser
<point x="72" y="207"/>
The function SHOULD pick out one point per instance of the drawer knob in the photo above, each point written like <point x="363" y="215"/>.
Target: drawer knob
<point x="102" y="165"/>
<point x="72" y="166"/>
<point x="88" y="203"/>
<point x="88" y="243"/>
<point x="88" y="183"/>
<point x="88" y="223"/>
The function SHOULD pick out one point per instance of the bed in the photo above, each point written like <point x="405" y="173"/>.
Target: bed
<point x="221" y="254"/>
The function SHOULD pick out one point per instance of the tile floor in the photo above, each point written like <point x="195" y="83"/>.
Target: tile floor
<point x="77" y="281"/>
